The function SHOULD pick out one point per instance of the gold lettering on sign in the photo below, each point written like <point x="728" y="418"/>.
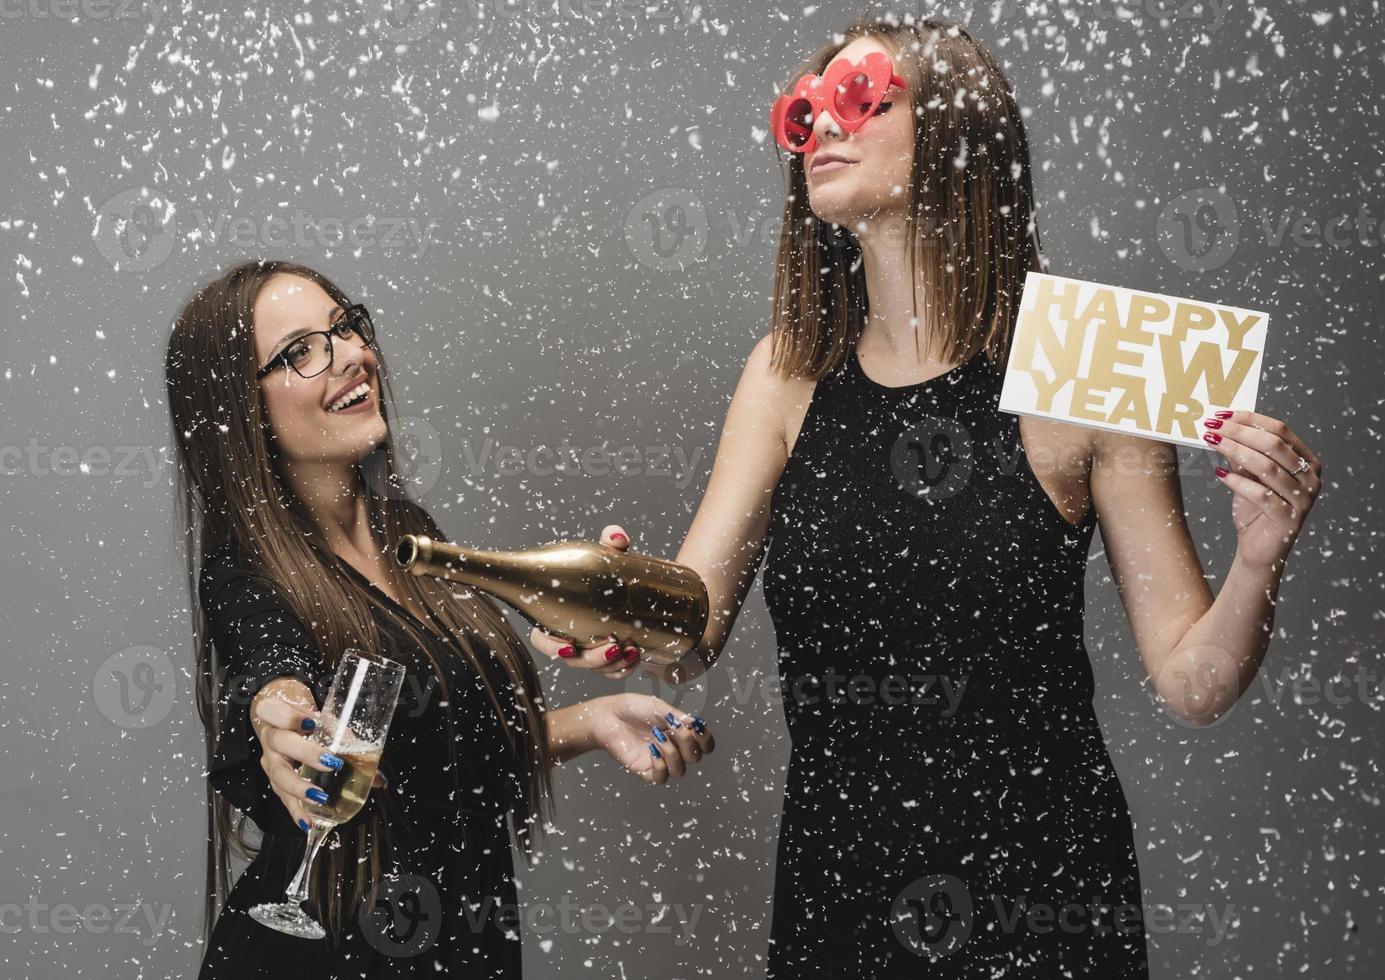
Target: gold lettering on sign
<point x="1189" y="341"/>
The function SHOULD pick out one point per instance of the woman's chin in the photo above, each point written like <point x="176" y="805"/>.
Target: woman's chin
<point x="374" y="436"/>
<point x="848" y="202"/>
<point x="359" y="443"/>
<point x="838" y="205"/>
<point x="831" y="212"/>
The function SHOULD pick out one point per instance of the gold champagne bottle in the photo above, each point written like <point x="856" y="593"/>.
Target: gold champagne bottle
<point x="579" y="590"/>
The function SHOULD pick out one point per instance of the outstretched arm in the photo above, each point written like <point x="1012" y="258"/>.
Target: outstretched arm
<point x="726" y="541"/>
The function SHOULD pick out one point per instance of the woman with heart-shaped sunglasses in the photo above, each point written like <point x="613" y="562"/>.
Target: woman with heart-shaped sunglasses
<point x="849" y="92"/>
<point x="950" y="806"/>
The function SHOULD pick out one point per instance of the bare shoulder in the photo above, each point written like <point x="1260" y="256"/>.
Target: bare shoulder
<point x="783" y="399"/>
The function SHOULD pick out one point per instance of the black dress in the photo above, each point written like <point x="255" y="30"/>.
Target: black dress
<point x="448" y="907"/>
<point x="950" y="807"/>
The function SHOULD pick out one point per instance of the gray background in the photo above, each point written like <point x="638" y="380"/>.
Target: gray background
<point x="547" y="313"/>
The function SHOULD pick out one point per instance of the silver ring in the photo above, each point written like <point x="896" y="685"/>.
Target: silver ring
<point x="1302" y="466"/>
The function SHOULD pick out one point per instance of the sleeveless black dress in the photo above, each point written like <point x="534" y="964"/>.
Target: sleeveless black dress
<point x="447" y="908"/>
<point x="950" y="808"/>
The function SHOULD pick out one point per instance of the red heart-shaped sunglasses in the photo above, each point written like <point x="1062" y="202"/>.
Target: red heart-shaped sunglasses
<point x="850" y="93"/>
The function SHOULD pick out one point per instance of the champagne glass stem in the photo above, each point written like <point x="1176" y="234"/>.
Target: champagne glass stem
<point x="298" y="888"/>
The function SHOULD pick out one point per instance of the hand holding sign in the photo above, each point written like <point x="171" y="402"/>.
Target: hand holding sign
<point x="1276" y="480"/>
<point x="1162" y="367"/>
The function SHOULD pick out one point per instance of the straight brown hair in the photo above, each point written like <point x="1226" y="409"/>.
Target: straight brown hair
<point x="971" y="229"/>
<point x="230" y="489"/>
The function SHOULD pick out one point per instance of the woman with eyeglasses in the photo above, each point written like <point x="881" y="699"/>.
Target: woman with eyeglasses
<point x="950" y="808"/>
<point x="291" y="500"/>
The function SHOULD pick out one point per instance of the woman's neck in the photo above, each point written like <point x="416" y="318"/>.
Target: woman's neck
<point x="892" y="327"/>
<point x="334" y="501"/>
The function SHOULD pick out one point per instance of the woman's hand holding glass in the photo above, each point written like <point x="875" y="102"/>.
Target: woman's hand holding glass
<point x="284" y="717"/>
<point x="348" y="738"/>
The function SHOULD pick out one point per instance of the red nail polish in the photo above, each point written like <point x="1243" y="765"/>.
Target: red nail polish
<point x="566" y="652"/>
<point x="617" y="536"/>
<point x="1211" y="437"/>
<point x="1212" y="423"/>
<point x="1224" y="415"/>
<point x="631" y="655"/>
<point x="612" y="652"/>
<point x="1220" y="472"/>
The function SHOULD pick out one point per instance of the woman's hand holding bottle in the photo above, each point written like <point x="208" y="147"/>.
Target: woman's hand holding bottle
<point x="616" y="659"/>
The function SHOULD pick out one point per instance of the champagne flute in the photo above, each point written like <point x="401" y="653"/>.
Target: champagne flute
<point x="353" y="724"/>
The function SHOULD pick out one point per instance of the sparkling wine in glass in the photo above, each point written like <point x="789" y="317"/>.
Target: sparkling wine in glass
<point x="352" y="725"/>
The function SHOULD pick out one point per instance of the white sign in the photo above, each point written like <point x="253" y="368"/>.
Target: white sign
<point x="1136" y="362"/>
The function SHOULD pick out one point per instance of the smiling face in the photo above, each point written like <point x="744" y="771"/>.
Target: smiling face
<point x="303" y="426"/>
<point x="865" y="173"/>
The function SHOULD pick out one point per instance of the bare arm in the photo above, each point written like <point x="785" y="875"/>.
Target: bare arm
<point x="726" y="540"/>
<point x="1139" y="501"/>
<point x="1200" y="652"/>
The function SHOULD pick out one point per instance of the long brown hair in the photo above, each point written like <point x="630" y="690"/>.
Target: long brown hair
<point x="230" y="489"/>
<point x="971" y="229"/>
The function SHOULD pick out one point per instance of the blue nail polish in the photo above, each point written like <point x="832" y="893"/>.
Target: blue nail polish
<point x="329" y="760"/>
<point x="672" y="721"/>
<point x="699" y="725"/>
<point x="308" y="724"/>
<point x="659" y="734"/>
<point x="316" y="795"/>
<point x="654" y="751"/>
<point x="303" y="824"/>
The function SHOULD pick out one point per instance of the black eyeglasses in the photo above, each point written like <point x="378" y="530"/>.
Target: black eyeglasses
<point x="311" y="354"/>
